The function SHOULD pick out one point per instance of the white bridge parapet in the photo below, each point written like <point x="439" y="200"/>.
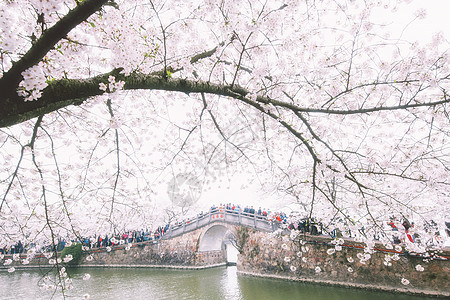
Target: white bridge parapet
<point x="233" y="217"/>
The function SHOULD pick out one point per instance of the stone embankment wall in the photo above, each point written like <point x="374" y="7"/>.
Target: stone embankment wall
<point x="315" y="259"/>
<point x="179" y="252"/>
<point x="307" y="258"/>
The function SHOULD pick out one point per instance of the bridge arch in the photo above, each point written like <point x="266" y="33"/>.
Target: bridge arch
<point x="219" y="238"/>
<point x="215" y="236"/>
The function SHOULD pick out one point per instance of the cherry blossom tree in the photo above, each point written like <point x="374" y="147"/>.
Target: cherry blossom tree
<point x="323" y="102"/>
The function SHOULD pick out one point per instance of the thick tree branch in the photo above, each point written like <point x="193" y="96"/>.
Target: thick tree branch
<point x="65" y="92"/>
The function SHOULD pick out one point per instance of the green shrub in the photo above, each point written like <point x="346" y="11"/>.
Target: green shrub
<point x="75" y="251"/>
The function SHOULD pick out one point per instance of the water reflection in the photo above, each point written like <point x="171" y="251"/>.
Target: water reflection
<point x="210" y="284"/>
<point x="268" y="289"/>
<point x="230" y="285"/>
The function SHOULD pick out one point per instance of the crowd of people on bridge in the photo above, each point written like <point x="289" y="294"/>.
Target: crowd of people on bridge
<point x="251" y="211"/>
<point x="260" y="213"/>
<point x="305" y="225"/>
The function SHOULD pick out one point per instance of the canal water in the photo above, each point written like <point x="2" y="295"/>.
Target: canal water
<point x="209" y="284"/>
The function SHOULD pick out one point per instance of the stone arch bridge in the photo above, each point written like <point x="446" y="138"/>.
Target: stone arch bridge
<point x="215" y="234"/>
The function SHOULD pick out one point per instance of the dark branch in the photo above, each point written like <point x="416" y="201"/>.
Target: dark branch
<point x="65" y="92"/>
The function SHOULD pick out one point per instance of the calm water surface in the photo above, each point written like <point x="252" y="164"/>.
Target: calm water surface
<point x="217" y="283"/>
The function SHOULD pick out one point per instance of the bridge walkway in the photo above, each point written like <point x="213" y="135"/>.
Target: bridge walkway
<point x="228" y="216"/>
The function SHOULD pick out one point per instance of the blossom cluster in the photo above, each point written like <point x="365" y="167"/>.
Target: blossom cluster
<point x="112" y="85"/>
<point x="34" y="81"/>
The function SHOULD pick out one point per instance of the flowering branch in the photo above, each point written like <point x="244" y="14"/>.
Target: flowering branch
<point x="45" y="43"/>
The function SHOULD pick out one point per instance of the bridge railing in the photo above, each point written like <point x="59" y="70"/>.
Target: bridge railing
<point x="229" y="216"/>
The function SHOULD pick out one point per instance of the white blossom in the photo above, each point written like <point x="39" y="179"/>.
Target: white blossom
<point x="68" y="258"/>
<point x="7" y="262"/>
<point x="50" y="287"/>
<point x="103" y="86"/>
<point x="421" y="13"/>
